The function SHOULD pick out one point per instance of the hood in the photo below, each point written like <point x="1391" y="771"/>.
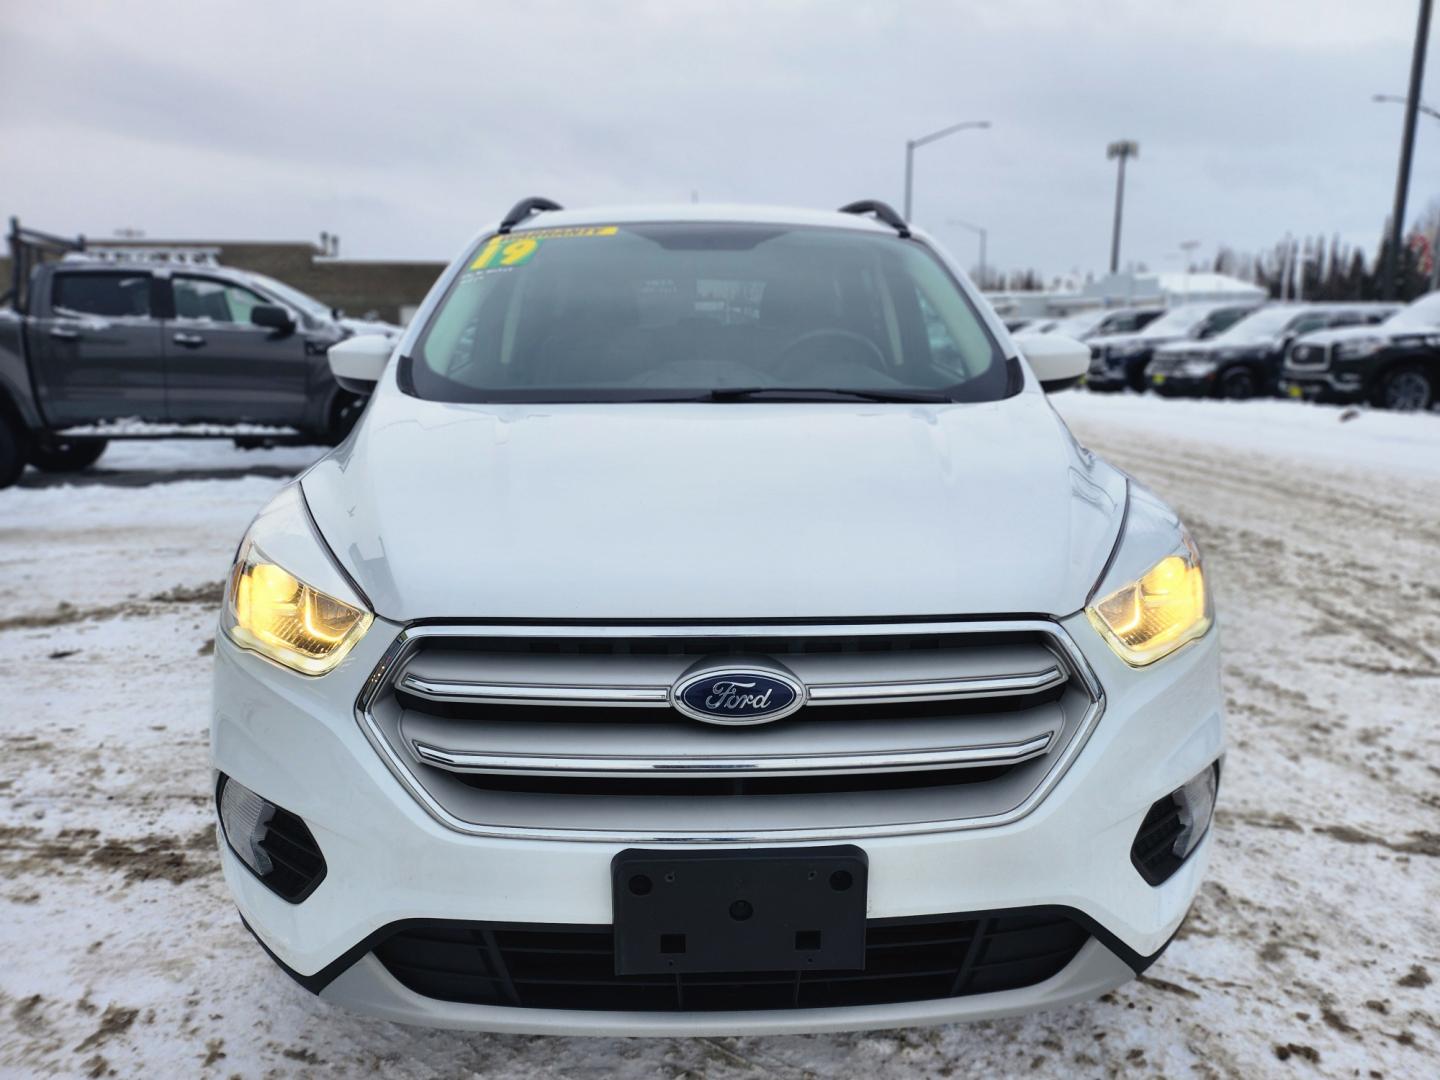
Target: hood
<point x="1105" y="341"/>
<point x="716" y="511"/>
<point x="1356" y="333"/>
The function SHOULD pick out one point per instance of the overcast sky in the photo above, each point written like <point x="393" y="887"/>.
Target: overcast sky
<point x="403" y="127"/>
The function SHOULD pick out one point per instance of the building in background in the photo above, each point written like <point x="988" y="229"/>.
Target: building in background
<point x="388" y="289"/>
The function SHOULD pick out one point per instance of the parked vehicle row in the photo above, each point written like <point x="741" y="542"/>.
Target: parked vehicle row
<point x="1118" y="361"/>
<point x="1379" y="353"/>
<point x="1245" y="360"/>
<point x="95" y="350"/>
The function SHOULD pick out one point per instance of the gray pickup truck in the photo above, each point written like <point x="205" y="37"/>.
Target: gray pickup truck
<point x="95" y="350"/>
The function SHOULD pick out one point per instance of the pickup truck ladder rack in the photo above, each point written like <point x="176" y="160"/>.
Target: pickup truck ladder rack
<point x="28" y="248"/>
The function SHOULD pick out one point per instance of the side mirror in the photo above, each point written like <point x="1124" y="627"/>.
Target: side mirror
<point x="358" y="362"/>
<point x="1058" y="362"/>
<point x="272" y="316"/>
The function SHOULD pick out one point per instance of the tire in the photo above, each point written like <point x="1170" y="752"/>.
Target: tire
<point x="1237" y="384"/>
<point x="12" y="452"/>
<point x="1407" y="388"/>
<point x="69" y="456"/>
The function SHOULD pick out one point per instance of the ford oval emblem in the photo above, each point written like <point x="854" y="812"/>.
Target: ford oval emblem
<point x="737" y="696"/>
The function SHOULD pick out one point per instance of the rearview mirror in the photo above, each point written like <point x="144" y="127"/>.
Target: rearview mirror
<point x="1058" y="362"/>
<point x="272" y="316"/>
<point x="358" y="362"/>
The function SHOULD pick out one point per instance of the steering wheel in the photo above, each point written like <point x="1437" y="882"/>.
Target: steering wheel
<point x="875" y="359"/>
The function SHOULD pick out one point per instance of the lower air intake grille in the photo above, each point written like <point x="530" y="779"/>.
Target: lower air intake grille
<point x="573" y="967"/>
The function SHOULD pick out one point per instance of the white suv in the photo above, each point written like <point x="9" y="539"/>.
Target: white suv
<point x="710" y="627"/>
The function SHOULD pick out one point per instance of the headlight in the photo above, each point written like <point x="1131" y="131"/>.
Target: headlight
<point x="286" y="600"/>
<point x="1152" y="613"/>
<point x="1351" y="350"/>
<point x="1132" y="348"/>
<point x="1198" y="367"/>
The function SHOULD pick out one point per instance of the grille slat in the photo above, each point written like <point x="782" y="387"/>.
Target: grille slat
<point x="568" y="967"/>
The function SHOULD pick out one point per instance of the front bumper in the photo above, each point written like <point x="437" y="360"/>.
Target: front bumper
<point x="296" y="741"/>
<point x="1323" y="386"/>
<point x="1174" y="384"/>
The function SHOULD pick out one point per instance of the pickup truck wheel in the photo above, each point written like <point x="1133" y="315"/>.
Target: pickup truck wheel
<point x="69" y="456"/>
<point x="1409" y="388"/>
<point x="12" y="453"/>
<point x="1238" y="384"/>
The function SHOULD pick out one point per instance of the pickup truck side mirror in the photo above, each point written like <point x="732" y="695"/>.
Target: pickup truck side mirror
<point x="1058" y="362"/>
<point x="273" y="316"/>
<point x="358" y="362"/>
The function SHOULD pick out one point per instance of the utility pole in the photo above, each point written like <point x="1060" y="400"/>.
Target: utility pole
<point x="1123" y="150"/>
<point x="1407" y="151"/>
<point x="912" y="144"/>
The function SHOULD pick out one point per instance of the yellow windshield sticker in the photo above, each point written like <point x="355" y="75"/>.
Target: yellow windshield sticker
<point x="572" y="232"/>
<point x="517" y="249"/>
<point x="506" y="251"/>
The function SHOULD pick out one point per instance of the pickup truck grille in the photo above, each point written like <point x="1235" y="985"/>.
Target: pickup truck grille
<point x="1310" y="357"/>
<point x="572" y="731"/>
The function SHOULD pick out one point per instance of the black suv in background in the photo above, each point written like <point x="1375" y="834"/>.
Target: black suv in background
<point x="1244" y="361"/>
<point x="1118" y="361"/>
<point x="1395" y="364"/>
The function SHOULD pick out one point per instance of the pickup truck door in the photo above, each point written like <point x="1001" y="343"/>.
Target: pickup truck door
<point x="95" y="348"/>
<point x="221" y="368"/>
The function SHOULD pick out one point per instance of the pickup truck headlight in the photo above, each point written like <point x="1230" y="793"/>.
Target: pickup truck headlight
<point x="1128" y="349"/>
<point x="1160" y="603"/>
<point x="286" y="599"/>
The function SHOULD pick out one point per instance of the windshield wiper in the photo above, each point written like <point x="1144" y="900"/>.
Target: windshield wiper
<point x="821" y="393"/>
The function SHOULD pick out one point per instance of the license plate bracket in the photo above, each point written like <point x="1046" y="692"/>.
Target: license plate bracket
<point x="769" y="909"/>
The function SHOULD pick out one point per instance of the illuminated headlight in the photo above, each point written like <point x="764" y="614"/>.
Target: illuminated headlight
<point x="286" y="600"/>
<point x="1352" y="350"/>
<point x="1154" y="598"/>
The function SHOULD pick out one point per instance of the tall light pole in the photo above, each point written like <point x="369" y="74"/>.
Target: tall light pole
<point x="1124" y="150"/>
<point x="980" y="232"/>
<point x="1407" y="151"/>
<point x="912" y="144"/>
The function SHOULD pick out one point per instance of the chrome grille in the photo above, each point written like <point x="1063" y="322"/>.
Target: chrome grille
<point x="570" y="731"/>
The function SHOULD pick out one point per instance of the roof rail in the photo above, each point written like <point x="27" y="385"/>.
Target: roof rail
<point x="882" y="211"/>
<point x="524" y="208"/>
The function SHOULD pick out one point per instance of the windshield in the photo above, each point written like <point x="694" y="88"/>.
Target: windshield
<point x="1423" y="314"/>
<point x="294" y="297"/>
<point x="680" y="311"/>
<point x="1178" y="322"/>
<point x="1266" y="324"/>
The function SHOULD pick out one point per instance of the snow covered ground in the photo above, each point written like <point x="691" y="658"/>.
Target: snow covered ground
<point x="1314" y="949"/>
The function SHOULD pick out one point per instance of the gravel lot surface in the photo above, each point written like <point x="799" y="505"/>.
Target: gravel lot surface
<point x="1314" y="949"/>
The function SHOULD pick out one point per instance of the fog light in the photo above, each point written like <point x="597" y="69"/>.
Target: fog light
<point x="1174" y="827"/>
<point x="277" y="846"/>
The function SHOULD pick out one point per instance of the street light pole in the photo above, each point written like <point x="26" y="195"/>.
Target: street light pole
<point x="912" y="144"/>
<point x="1396" y="99"/>
<point x="982" y="234"/>
<point x="1124" y="149"/>
<point x="1407" y="151"/>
